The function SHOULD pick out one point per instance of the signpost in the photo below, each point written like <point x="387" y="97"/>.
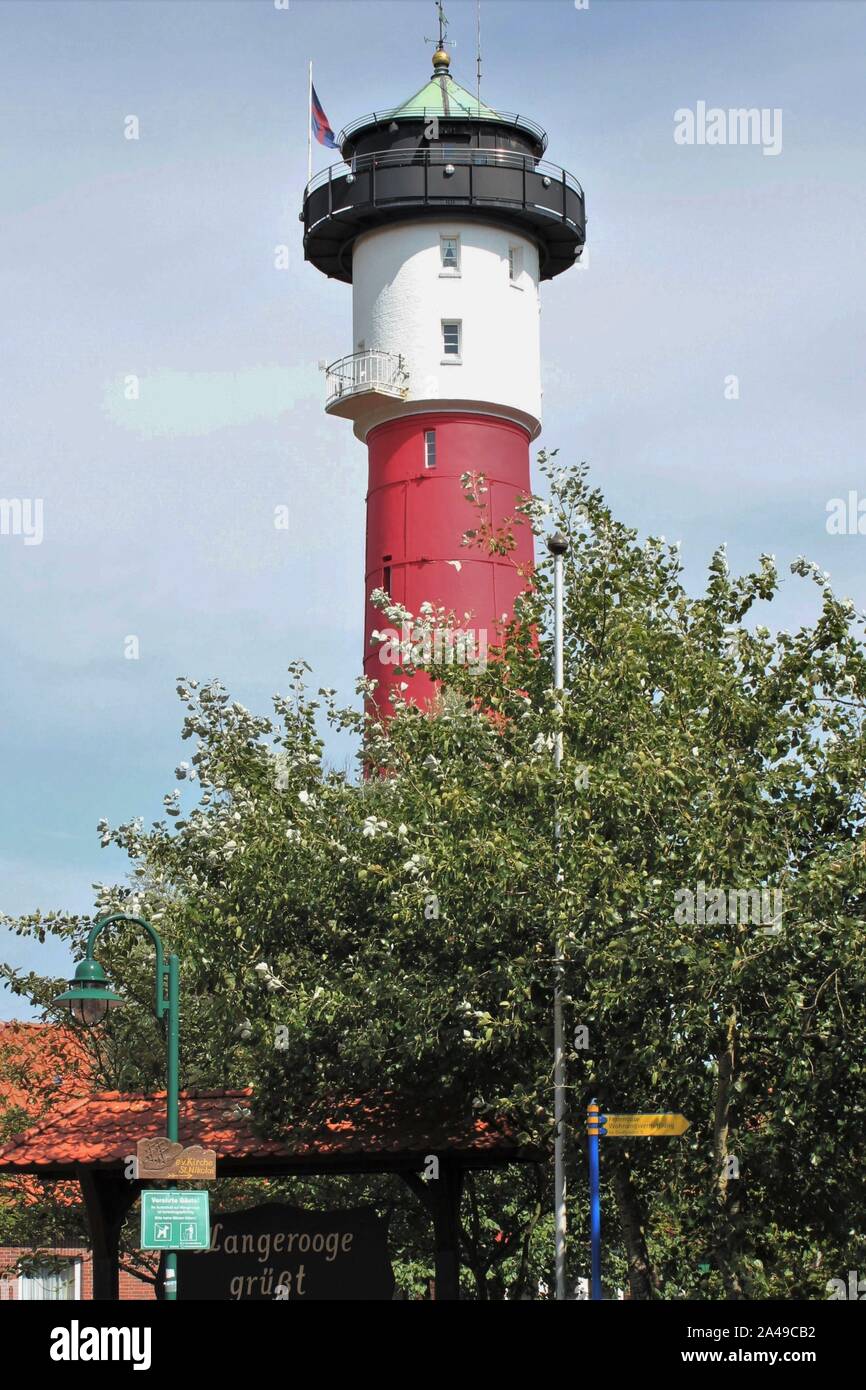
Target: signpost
<point x="623" y="1126"/>
<point x="175" y="1220"/>
<point x="592" y="1128"/>
<point x="599" y="1126"/>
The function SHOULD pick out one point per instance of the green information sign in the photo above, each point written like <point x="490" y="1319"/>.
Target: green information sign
<point x="174" y="1220"/>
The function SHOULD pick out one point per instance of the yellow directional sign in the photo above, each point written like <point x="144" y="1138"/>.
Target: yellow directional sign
<point x="620" y="1126"/>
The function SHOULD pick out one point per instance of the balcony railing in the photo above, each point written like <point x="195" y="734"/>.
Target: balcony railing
<point x="447" y="156"/>
<point x="540" y="200"/>
<point x="371" y="370"/>
<point x="460" y="113"/>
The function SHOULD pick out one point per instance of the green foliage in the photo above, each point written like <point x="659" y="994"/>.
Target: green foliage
<point x="395" y="931"/>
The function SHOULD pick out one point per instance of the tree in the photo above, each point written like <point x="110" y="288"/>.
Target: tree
<point x="395" y="932"/>
<point x="40" y="1068"/>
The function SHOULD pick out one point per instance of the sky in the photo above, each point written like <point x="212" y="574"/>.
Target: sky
<point x="156" y="258"/>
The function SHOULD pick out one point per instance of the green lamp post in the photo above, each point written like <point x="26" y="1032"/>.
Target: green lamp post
<point x="89" y="999"/>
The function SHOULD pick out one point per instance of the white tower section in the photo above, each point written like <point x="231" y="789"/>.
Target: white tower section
<point x="458" y="302"/>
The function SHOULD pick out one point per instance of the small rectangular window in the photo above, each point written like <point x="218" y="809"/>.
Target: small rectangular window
<point x="58" y="1281"/>
<point x="386" y="575"/>
<point x="449" y="253"/>
<point x="451" y="340"/>
<point x="429" y="448"/>
<point x="515" y="264"/>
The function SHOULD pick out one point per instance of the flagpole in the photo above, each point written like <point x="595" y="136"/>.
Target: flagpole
<point x="310" y="126"/>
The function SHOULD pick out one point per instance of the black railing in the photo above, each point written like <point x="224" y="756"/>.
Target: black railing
<point x="460" y="113"/>
<point x="538" y="198"/>
<point x="441" y="156"/>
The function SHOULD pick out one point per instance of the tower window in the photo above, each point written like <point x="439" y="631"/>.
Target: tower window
<point x="429" y="448"/>
<point x="449" y="255"/>
<point x="452" y="340"/>
<point x="386" y="574"/>
<point x="515" y="265"/>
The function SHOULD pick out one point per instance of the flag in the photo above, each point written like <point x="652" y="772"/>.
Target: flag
<point x="320" y="123"/>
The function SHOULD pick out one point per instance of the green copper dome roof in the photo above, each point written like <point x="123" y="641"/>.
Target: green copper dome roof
<point x="442" y="96"/>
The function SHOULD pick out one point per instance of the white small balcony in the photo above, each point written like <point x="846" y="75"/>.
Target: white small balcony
<point x="371" y="372"/>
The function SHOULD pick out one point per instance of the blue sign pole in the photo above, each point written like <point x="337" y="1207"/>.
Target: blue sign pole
<point x="595" y="1130"/>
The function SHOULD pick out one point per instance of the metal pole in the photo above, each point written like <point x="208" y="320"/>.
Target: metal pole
<point x="171" y="1006"/>
<point x="310" y="125"/>
<point x="594" y="1131"/>
<point x="478" y="52"/>
<point x="172" y="1102"/>
<point x="557" y="546"/>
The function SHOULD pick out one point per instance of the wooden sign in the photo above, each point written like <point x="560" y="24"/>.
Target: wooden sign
<point x="277" y="1252"/>
<point x="622" y="1126"/>
<point x="160" y="1158"/>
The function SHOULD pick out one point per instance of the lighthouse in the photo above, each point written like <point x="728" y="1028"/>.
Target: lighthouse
<point x="445" y="217"/>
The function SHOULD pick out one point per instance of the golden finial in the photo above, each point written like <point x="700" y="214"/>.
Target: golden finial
<point x="441" y="58"/>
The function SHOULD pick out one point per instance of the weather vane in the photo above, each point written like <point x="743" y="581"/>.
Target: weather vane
<point x="443" y="28"/>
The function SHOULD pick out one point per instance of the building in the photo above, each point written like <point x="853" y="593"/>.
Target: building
<point x="43" y="1070"/>
<point x="86" y="1142"/>
<point x="444" y="217"/>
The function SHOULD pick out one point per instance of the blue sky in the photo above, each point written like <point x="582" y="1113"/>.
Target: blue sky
<point x="155" y="257"/>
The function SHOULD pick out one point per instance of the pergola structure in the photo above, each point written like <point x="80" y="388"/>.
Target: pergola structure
<point x="92" y="1138"/>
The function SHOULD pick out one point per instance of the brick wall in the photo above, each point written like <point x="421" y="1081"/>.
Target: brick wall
<point x="131" y="1287"/>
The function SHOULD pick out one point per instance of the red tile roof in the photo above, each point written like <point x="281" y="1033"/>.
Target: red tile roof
<point x="103" y="1130"/>
<point x="41" y="1064"/>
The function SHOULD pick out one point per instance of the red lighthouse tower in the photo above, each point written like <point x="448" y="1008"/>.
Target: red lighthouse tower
<point x="444" y="217"/>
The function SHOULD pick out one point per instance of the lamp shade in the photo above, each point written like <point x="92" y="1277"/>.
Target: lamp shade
<point x="88" y="998"/>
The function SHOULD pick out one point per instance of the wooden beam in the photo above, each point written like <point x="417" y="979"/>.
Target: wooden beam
<point x="441" y="1199"/>
<point x="108" y="1197"/>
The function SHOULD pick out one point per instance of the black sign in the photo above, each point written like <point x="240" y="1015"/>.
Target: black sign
<point x="283" y="1253"/>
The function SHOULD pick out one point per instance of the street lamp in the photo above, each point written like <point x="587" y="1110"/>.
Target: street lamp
<point x="88" y="999"/>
